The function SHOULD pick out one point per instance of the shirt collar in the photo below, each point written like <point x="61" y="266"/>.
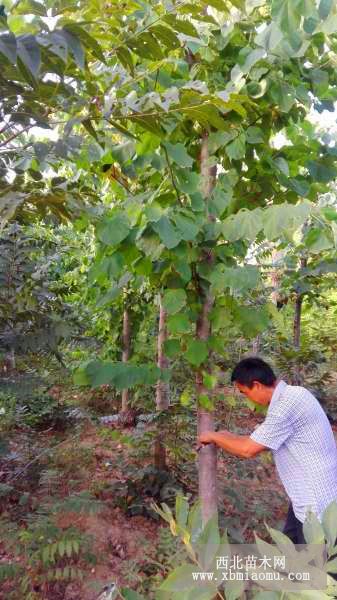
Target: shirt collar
<point x="279" y="389"/>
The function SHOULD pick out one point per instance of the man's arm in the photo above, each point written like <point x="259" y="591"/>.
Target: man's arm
<point x="239" y="445"/>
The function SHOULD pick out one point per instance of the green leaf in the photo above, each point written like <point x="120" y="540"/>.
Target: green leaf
<point x="69" y="548"/>
<point x="324" y="8"/>
<point x="87" y="123"/>
<point x="197" y="352"/>
<point x="184" y="270"/>
<point x="166" y="36"/>
<point x="329" y="522"/>
<point x="286" y="14"/>
<point x="331" y="566"/>
<point x="167" y="232"/>
<point x="80" y="377"/>
<point x="125" y="57"/>
<point x="174" y="300"/>
<point x="146" y="46"/>
<point x="143" y="267"/>
<point x="187" y="228"/>
<point x="312" y="530"/>
<point x="218" y="4"/>
<point x="113" y="230"/>
<point x="329" y="213"/>
<point x="183" y="26"/>
<point x="220" y="318"/>
<point x="219" y="200"/>
<point x="28" y="51"/>
<point x="8" y="46"/>
<point x="46" y="554"/>
<point x="282" y="165"/>
<point x="181" y="579"/>
<point x="130" y="594"/>
<point x="283" y="95"/>
<point x="280" y="539"/>
<point x="179" y="323"/>
<point x="172" y="348"/>
<point x="188" y="181"/>
<point x="208" y="543"/>
<point x="205" y="402"/>
<point x="75" y="47"/>
<point x="254" y="135"/>
<point x="234" y="589"/>
<point x="209" y="381"/>
<point x="251" y="320"/>
<point x="239" y="279"/>
<point x="194" y="523"/>
<point x="87" y="40"/>
<point x="179" y="155"/>
<point x="244" y="225"/>
<point x="269" y="37"/>
<point x="154" y="211"/>
<point x="284" y="218"/>
<point x="300" y="186"/>
<point x="208" y="115"/>
<point x="122" y="375"/>
<point x="61" y="548"/>
<point x="237" y="149"/>
<point x="317" y="240"/>
<point x="310" y="24"/>
<point x="320" y="172"/>
<point x="181" y="510"/>
<point x="186" y="397"/>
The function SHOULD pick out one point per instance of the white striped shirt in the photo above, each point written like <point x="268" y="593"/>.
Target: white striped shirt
<point x="299" y="434"/>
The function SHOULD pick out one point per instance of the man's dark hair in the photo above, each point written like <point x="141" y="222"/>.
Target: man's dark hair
<point x="253" y="369"/>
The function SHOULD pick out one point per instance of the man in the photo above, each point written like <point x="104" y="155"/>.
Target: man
<point x="299" y="434"/>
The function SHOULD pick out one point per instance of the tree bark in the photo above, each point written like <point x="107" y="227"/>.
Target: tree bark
<point x="277" y="255"/>
<point x="297" y="326"/>
<point x="126" y="337"/>
<point x="162" y="390"/>
<point x="297" y="321"/>
<point x="256" y="345"/>
<point x="207" y="455"/>
<point x="9" y="361"/>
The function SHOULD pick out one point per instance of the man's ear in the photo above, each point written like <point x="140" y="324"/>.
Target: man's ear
<point x="256" y="383"/>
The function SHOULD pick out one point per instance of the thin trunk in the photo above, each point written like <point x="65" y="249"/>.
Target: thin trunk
<point x="297" y="326"/>
<point x="297" y="337"/>
<point x="126" y="353"/>
<point x="162" y="390"/>
<point x="256" y="345"/>
<point x="277" y="255"/>
<point x="208" y="454"/>
<point x="297" y="321"/>
<point x="10" y="362"/>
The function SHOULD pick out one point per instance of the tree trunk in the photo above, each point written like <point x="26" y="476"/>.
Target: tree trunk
<point x="297" y="321"/>
<point x="256" y="345"/>
<point x="10" y="363"/>
<point x="162" y="390"/>
<point x="277" y="255"/>
<point x="297" y="326"/>
<point x="207" y="454"/>
<point x="126" y="353"/>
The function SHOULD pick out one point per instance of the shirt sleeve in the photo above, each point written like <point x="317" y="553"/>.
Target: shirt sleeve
<point x="274" y="431"/>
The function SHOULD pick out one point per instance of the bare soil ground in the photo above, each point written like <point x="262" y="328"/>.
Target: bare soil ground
<point x="249" y="491"/>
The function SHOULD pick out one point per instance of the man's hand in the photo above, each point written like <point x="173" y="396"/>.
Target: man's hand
<point x="206" y="437"/>
<point x="239" y="445"/>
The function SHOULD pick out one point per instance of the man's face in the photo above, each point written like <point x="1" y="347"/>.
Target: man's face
<point x="257" y="393"/>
